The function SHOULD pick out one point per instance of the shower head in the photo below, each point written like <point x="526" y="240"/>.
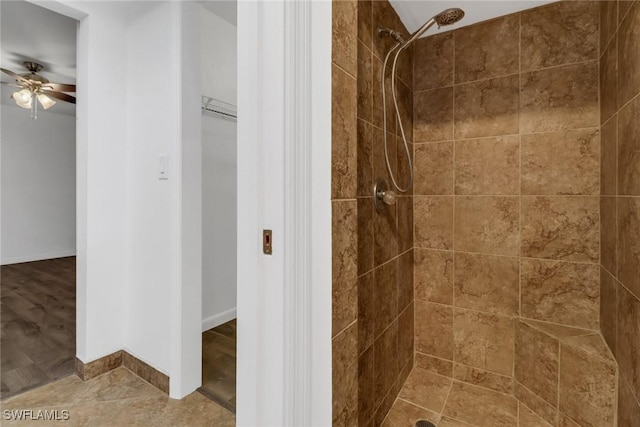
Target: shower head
<point x="449" y="16"/>
<point x="446" y="17"/>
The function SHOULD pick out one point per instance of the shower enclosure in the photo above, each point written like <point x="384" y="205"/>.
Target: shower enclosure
<point x="498" y="286"/>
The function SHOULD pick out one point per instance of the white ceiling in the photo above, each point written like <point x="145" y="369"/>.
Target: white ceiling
<point x="225" y="9"/>
<point x="32" y="33"/>
<point x="415" y="13"/>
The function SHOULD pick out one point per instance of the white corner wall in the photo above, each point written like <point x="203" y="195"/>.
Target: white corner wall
<point x="218" y="51"/>
<point x="38" y="185"/>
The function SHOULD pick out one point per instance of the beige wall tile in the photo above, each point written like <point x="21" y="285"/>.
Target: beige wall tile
<point x="560" y="292"/>
<point x="434" y="276"/>
<point x="608" y="233"/>
<point x="560" y="227"/>
<point x="406" y="336"/>
<point x="487" y="224"/>
<point x="608" y="308"/>
<point x="366" y="312"/>
<point x="629" y="242"/>
<point x="434" y="364"/>
<point x="609" y="82"/>
<point x="385" y="295"/>
<point x="561" y="33"/>
<point x="483" y="341"/>
<point x="344" y="141"/>
<point x="365" y="234"/>
<point x="481" y="407"/>
<point x="629" y="149"/>
<point x="345" y="35"/>
<point x="433" y="62"/>
<point x="365" y="158"/>
<point x="608" y="157"/>
<point x="385" y="235"/>
<point x="383" y="16"/>
<point x="405" y="280"/>
<point x="489" y="49"/>
<point x="377" y="95"/>
<point x="623" y="9"/>
<point x="434" y="329"/>
<point x="365" y="83"/>
<point x="405" y="223"/>
<point x="482" y="378"/>
<point x="486" y="108"/>
<point x="587" y="388"/>
<point x="405" y="106"/>
<point x="345" y="377"/>
<point x="344" y="264"/>
<point x="385" y="356"/>
<point x="488" y="166"/>
<point x="592" y="344"/>
<point x="628" y="338"/>
<point x="537" y="362"/>
<point x="538" y="405"/>
<point x="629" y="55"/>
<point x="433" y="222"/>
<point x="628" y="406"/>
<point x="365" y="386"/>
<point x="380" y="167"/>
<point x="559" y="98"/>
<point x="426" y="389"/>
<point x="487" y="283"/>
<point x="433" y="168"/>
<point x="608" y="22"/>
<point x="365" y="24"/>
<point x="433" y="115"/>
<point x="528" y="418"/>
<point x="564" y="162"/>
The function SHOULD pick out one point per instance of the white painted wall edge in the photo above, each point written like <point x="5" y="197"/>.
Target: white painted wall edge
<point x="218" y="319"/>
<point x="37" y="257"/>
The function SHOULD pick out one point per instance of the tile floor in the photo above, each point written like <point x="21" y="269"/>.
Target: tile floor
<point x="117" y="398"/>
<point x="38" y="322"/>
<point x="450" y="403"/>
<point x="219" y="364"/>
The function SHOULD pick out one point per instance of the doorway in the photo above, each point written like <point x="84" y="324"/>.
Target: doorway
<point x="218" y="53"/>
<point x="38" y="274"/>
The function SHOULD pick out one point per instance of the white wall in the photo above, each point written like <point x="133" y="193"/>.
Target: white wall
<point x="218" y="49"/>
<point x="38" y="185"/>
<point x="219" y="221"/>
<point x="152" y="129"/>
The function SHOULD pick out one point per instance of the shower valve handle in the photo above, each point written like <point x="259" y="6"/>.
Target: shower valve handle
<point x="388" y="197"/>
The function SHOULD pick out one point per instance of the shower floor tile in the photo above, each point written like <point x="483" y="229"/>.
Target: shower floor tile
<point x="461" y="404"/>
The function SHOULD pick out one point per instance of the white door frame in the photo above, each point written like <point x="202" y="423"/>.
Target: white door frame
<point x="284" y="179"/>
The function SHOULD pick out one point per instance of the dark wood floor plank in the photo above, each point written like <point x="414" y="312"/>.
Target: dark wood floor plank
<point x="219" y="364"/>
<point x="37" y="324"/>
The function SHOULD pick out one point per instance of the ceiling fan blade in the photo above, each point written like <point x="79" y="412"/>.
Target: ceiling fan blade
<point x="59" y="95"/>
<point x="10" y="84"/>
<point x="14" y="75"/>
<point x="60" y="87"/>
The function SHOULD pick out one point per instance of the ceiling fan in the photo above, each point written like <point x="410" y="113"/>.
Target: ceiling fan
<point x="35" y="87"/>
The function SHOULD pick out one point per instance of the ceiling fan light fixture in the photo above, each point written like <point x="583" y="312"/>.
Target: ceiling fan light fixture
<point x="23" y="98"/>
<point x="45" y="101"/>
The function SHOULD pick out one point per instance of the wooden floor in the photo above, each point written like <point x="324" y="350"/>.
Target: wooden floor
<point x="38" y="324"/>
<point x="219" y="364"/>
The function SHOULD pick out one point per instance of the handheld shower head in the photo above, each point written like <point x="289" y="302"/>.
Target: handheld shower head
<point x="449" y="16"/>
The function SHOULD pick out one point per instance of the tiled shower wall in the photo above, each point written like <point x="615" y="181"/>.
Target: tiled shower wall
<point x="506" y="203"/>
<point x="620" y="197"/>
<point x="372" y="252"/>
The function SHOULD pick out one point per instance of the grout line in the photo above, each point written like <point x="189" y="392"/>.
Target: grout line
<point x="345" y="71"/>
<point x="344" y="330"/>
<point x="446" y="399"/>
<point x="595" y="264"/>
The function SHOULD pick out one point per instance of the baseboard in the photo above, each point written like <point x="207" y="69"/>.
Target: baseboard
<point x="39" y="257"/>
<point x="218" y="319"/>
<point x="158" y="379"/>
